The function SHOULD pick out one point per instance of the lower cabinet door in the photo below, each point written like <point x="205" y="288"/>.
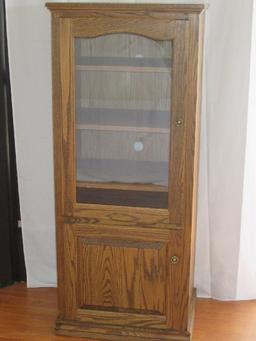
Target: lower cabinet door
<point x="121" y="276"/>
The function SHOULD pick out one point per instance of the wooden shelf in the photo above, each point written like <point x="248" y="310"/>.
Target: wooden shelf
<point x="122" y="128"/>
<point x="123" y="68"/>
<point x="132" y="198"/>
<point x="122" y="186"/>
<point x="142" y="61"/>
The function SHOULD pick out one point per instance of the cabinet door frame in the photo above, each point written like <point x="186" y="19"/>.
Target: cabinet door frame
<point x="175" y="31"/>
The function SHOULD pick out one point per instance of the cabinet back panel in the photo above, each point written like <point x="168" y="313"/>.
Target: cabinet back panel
<point x="119" y="145"/>
<point x="124" y="90"/>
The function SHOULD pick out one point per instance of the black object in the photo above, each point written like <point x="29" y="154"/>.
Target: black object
<point x="12" y="267"/>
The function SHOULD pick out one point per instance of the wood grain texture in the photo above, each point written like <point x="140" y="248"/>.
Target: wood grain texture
<point x="65" y="83"/>
<point x="140" y="14"/>
<point x="201" y="30"/>
<point x="123" y="216"/>
<point x="154" y="29"/>
<point x="176" y="202"/>
<point x="113" y="332"/>
<point x="126" y="276"/>
<point x="174" y="285"/>
<point x="134" y="234"/>
<point x="115" y="263"/>
<point x="70" y="268"/>
<point x="177" y="141"/>
<point x="192" y="105"/>
<point x="123" y="243"/>
<point x="166" y="9"/>
<point x="121" y="318"/>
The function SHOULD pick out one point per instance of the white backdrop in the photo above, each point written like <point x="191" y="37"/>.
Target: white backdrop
<point x="226" y="239"/>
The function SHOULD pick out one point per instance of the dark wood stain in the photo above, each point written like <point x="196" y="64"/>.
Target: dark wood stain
<point x="122" y="198"/>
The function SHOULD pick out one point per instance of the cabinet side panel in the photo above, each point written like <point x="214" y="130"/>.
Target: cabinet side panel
<point x="193" y="100"/>
<point x="200" y="35"/>
<point x="61" y="102"/>
<point x="180" y="290"/>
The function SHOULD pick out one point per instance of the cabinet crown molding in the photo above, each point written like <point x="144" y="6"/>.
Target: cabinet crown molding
<point x="179" y="8"/>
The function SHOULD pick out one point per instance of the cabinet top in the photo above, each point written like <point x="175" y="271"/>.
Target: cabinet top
<point x="178" y="8"/>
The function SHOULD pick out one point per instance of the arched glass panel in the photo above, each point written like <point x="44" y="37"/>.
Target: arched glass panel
<point x="123" y="100"/>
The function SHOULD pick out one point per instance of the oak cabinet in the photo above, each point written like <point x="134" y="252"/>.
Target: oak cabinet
<point x="126" y="103"/>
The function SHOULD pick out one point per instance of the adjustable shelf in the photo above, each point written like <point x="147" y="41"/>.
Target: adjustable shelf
<point x="118" y="68"/>
<point x="122" y="128"/>
<point x="123" y="64"/>
<point x="122" y="186"/>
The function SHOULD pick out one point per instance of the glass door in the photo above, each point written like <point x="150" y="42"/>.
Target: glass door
<point x="123" y="118"/>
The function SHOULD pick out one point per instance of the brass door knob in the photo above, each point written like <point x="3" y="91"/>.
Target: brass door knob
<point x="175" y="259"/>
<point x="179" y="123"/>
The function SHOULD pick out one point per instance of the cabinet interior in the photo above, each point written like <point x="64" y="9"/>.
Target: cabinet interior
<point x="123" y="101"/>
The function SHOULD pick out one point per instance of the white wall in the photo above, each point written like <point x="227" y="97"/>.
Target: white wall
<point x="247" y="259"/>
<point x="30" y="65"/>
<point x="223" y="140"/>
<point x="227" y="64"/>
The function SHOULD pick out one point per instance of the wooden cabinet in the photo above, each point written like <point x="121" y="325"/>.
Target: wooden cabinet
<point x="126" y="102"/>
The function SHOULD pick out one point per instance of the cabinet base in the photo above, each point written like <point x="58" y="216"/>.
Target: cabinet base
<point x="81" y="329"/>
<point x="118" y="333"/>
